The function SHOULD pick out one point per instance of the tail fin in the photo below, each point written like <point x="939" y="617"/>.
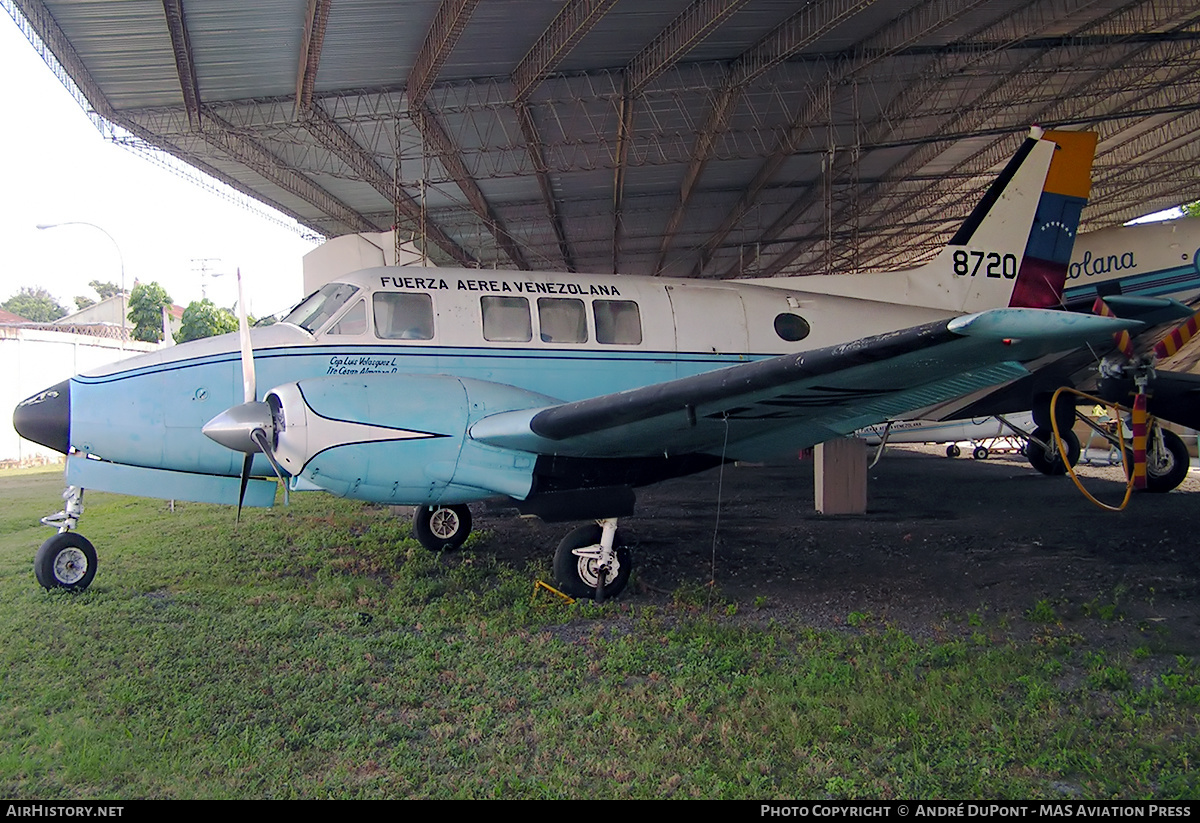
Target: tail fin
<point x="1012" y="250"/>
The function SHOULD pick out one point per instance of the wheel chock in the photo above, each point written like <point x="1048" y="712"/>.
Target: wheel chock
<point x="543" y="585"/>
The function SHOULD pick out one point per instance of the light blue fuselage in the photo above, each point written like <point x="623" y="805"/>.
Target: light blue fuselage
<point x="152" y="415"/>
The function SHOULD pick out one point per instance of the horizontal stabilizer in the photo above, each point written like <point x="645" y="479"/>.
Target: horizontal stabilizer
<point x="1149" y="310"/>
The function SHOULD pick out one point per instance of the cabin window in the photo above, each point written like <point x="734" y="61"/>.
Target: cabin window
<point x="506" y="319"/>
<point x="321" y="305"/>
<point x="403" y="315"/>
<point x="618" y="322"/>
<point x="562" y="320"/>
<point x="791" y="327"/>
<point x="353" y="321"/>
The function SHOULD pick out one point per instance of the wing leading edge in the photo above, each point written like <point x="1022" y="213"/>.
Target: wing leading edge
<point x="775" y="405"/>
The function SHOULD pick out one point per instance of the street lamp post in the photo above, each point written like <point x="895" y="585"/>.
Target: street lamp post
<point x="120" y="257"/>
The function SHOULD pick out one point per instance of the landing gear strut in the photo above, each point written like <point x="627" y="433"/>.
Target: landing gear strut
<point x="592" y="562"/>
<point x="67" y="560"/>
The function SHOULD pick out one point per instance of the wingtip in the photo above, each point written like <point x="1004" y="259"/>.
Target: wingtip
<point x="1030" y="323"/>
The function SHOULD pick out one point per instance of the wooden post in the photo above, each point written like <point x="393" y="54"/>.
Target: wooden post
<point x="840" y="474"/>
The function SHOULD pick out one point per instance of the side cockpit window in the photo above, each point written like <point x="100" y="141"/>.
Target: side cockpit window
<point x="354" y="321"/>
<point x="316" y="309"/>
<point x="403" y="315"/>
<point x="618" y="322"/>
<point x="506" y="319"/>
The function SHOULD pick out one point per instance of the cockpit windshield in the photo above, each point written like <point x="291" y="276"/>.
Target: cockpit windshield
<point x="319" y="306"/>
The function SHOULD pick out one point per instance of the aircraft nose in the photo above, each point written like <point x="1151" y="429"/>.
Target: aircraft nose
<point x="46" y="417"/>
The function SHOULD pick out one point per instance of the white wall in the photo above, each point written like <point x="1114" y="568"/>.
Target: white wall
<point x="32" y="360"/>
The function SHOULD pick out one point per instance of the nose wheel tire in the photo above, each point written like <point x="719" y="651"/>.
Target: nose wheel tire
<point x="65" y="561"/>
<point x="579" y="574"/>
<point x="441" y="528"/>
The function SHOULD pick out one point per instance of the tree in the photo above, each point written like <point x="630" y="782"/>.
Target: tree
<point x="105" y="290"/>
<point x="34" y="303"/>
<point x="1191" y="209"/>
<point x="203" y="319"/>
<point x="145" y="310"/>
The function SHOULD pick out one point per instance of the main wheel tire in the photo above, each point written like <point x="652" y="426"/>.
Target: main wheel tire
<point x="578" y="576"/>
<point x="1164" y="472"/>
<point x="65" y="561"/>
<point x="1040" y="460"/>
<point x="442" y="528"/>
<point x="980" y="453"/>
<point x="953" y="450"/>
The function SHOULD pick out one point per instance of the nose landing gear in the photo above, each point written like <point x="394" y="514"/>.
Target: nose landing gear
<point x="67" y="560"/>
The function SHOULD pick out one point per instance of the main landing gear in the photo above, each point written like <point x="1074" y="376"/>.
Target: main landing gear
<point x="1044" y="455"/>
<point x="67" y="560"/>
<point x="441" y="528"/>
<point x="591" y="561"/>
<point x="1167" y="460"/>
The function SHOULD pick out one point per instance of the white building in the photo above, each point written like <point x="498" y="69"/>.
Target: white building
<point x="351" y="252"/>
<point x="109" y="313"/>
<point x="34" y="356"/>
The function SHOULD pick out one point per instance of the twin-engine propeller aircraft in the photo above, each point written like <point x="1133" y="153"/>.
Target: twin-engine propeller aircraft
<point x="564" y="392"/>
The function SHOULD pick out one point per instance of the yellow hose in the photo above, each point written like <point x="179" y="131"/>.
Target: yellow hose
<point x="1058" y="444"/>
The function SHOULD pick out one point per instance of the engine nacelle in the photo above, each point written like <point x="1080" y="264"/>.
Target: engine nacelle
<point x="399" y="438"/>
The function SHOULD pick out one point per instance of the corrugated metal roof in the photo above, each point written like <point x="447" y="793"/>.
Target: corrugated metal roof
<point x="859" y="117"/>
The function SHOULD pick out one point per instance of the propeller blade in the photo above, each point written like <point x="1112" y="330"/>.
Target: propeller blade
<point x="1121" y="339"/>
<point x="1139" y="440"/>
<point x="1179" y="335"/>
<point x="264" y="444"/>
<point x="245" y="481"/>
<point x="248" y="382"/>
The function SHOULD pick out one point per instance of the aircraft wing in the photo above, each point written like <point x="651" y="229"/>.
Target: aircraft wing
<point x="1068" y="368"/>
<point x="773" y="406"/>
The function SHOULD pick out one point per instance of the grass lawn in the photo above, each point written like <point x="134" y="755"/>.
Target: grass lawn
<point x="319" y="651"/>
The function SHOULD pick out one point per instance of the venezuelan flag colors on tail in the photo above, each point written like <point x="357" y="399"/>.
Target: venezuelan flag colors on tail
<point x="1044" y="267"/>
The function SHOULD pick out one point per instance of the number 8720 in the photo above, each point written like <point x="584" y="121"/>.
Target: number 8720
<point x="992" y="264"/>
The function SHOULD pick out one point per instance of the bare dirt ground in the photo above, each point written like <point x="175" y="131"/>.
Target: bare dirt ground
<point x="942" y="539"/>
